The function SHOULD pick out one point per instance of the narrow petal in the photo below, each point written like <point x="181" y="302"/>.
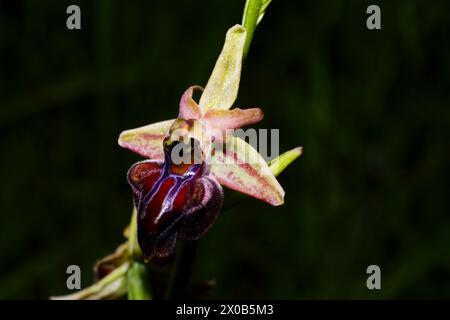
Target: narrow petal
<point x="240" y="167"/>
<point x="148" y="140"/>
<point x="232" y="119"/>
<point x="223" y="85"/>
<point x="281" y="162"/>
<point x="189" y="109"/>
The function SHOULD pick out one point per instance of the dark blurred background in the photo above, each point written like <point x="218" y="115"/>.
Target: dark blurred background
<point x="370" y="108"/>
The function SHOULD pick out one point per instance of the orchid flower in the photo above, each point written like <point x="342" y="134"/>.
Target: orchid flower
<point x="176" y="199"/>
<point x="181" y="200"/>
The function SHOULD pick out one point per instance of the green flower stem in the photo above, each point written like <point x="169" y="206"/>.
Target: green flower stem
<point x="134" y="250"/>
<point x="253" y="13"/>
<point x="137" y="282"/>
<point x="137" y="274"/>
<point x="250" y="21"/>
<point x="281" y="162"/>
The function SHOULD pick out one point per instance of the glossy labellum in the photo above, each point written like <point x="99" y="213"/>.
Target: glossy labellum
<point x="241" y="168"/>
<point x="173" y="201"/>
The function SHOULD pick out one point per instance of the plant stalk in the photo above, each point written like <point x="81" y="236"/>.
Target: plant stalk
<point x="250" y="21"/>
<point x="184" y="260"/>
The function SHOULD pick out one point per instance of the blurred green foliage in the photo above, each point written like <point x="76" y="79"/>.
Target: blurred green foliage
<point x="370" y="108"/>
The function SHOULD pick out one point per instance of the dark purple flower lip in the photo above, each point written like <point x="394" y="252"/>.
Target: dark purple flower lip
<point x="173" y="201"/>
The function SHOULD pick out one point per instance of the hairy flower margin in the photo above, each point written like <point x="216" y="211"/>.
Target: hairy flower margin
<point x="181" y="200"/>
<point x="199" y="128"/>
<point x="238" y="166"/>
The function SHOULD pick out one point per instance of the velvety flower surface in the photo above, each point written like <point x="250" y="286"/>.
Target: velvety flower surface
<point x="173" y="202"/>
<point x="182" y="199"/>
